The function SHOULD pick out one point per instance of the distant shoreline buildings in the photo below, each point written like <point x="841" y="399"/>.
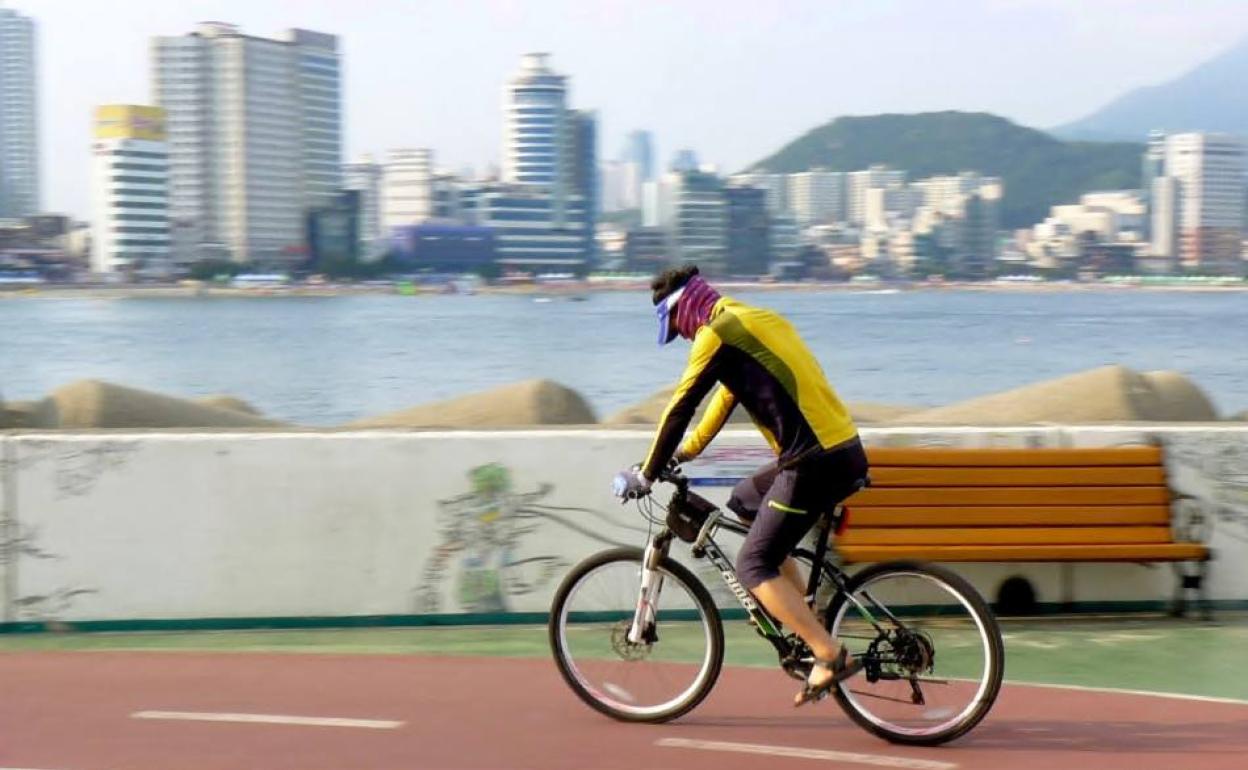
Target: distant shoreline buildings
<point x="246" y="171"/>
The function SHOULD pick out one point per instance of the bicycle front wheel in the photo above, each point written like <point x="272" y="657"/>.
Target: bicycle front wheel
<point x="653" y="681"/>
<point x="932" y="648"/>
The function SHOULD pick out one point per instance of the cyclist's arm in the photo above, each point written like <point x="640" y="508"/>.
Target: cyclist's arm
<point x="708" y="427"/>
<point x="699" y="377"/>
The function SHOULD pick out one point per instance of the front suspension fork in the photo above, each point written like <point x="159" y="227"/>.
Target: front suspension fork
<point x="642" y="629"/>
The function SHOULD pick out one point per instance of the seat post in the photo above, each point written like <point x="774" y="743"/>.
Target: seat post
<point x="821" y="550"/>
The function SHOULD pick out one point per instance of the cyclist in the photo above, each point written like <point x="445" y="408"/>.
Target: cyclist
<point x="760" y="362"/>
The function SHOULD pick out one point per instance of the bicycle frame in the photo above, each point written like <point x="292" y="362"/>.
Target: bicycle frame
<point x="642" y="629"/>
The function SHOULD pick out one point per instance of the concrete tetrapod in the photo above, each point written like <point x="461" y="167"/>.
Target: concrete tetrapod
<point x="87" y="404"/>
<point x="649" y="411"/>
<point x="233" y="403"/>
<point x="531" y="402"/>
<point x="1105" y="394"/>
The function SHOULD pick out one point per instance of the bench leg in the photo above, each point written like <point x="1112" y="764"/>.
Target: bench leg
<point x="1191" y="583"/>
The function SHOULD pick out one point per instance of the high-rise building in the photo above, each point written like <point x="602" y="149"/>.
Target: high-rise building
<point x="784" y="238"/>
<point x="639" y="150"/>
<point x="699" y="215"/>
<point x="129" y="191"/>
<point x="859" y="182"/>
<point x="19" y="117"/>
<point x="817" y="197"/>
<point x="549" y="172"/>
<point x="961" y="213"/>
<point x="528" y="234"/>
<point x="1164" y="220"/>
<point x="684" y="160"/>
<point x="748" y="250"/>
<point x="636" y="168"/>
<point x="536" y="138"/>
<point x="1209" y="173"/>
<point x="364" y="176"/>
<point x="255" y="138"/>
<point x="1152" y="165"/>
<point x="611" y="192"/>
<point x="584" y="153"/>
<point x="406" y="189"/>
<point x="776" y="185"/>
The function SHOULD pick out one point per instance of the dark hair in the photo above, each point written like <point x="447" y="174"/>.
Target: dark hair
<point x="671" y="279"/>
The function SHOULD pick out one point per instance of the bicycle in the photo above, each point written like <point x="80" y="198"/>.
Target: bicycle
<point x="932" y="649"/>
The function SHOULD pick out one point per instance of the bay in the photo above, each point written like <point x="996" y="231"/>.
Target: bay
<point x="328" y="360"/>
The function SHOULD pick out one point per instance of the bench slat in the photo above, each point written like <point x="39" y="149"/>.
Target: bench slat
<point x="946" y="496"/>
<point x="1143" y="552"/>
<point x="1038" y="515"/>
<point x="944" y="457"/>
<point x="1006" y="536"/>
<point x="1018" y="477"/>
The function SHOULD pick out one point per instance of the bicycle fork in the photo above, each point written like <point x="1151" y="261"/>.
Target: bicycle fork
<point x="642" y="629"/>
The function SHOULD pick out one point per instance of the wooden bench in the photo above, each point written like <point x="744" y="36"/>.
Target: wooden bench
<point x="1019" y="505"/>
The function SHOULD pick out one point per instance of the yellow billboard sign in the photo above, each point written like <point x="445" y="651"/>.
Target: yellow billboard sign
<point x="129" y="121"/>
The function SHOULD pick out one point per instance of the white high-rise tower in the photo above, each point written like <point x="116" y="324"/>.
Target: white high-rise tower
<point x="535" y="126"/>
<point x="129" y="191"/>
<point x="1209" y="173"/>
<point x="255" y="138"/>
<point x="19" y="117"/>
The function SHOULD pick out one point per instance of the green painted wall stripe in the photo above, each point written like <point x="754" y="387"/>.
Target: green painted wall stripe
<point x="497" y="619"/>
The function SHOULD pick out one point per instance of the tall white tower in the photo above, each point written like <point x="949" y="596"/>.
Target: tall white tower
<point x="535" y="126"/>
<point x="19" y="117"/>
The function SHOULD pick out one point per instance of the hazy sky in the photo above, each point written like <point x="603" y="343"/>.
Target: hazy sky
<point x="733" y="79"/>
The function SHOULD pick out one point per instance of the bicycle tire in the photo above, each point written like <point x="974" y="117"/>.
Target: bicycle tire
<point x="672" y="570"/>
<point x="989" y="629"/>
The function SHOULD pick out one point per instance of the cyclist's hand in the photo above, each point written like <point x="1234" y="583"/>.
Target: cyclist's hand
<point x="630" y="484"/>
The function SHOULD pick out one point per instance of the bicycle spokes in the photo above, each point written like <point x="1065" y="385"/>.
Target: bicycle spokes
<point x="927" y="663"/>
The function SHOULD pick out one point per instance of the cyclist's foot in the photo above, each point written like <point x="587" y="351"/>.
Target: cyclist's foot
<point x="826" y="674"/>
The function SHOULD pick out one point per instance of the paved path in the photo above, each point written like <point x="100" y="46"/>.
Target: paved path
<point x="77" y="711"/>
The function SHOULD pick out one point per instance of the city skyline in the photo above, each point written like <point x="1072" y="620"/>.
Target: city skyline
<point x="684" y="94"/>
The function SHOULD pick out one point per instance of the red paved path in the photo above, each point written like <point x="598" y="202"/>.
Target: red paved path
<point x="71" y="711"/>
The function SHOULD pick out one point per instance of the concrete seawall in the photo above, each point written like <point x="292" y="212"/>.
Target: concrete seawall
<point x="182" y="527"/>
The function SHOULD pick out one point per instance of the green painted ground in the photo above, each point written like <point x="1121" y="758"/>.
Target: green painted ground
<point x="1139" y="654"/>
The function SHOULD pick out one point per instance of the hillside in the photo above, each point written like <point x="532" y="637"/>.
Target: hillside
<point x="1038" y="170"/>
<point x="1209" y="98"/>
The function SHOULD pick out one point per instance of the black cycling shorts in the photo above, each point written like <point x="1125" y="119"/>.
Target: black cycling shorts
<point x="783" y="503"/>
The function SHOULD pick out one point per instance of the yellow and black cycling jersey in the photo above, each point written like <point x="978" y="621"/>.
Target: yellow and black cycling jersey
<point x="762" y="364"/>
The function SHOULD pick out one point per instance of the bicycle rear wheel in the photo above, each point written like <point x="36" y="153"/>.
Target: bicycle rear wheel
<point x="648" y="682"/>
<point x="933" y="652"/>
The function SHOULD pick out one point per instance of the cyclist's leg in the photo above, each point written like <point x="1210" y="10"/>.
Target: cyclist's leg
<point x="747" y="496"/>
<point x="787" y="513"/>
<point x="761" y="563"/>
<point x="745" y="501"/>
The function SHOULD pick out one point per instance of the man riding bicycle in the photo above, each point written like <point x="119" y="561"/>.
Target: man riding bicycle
<point x="760" y="362"/>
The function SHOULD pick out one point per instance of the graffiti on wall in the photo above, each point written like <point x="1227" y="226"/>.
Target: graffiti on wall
<point x="18" y="542"/>
<point x="481" y="534"/>
<point x="1211" y="473"/>
<point x="77" y="467"/>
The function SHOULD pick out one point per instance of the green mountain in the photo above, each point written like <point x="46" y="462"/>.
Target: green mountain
<point x="1038" y="170"/>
